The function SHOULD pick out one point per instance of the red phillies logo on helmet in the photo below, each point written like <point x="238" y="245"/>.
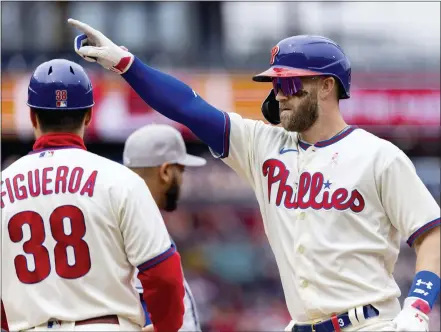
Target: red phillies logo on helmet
<point x="274" y="51"/>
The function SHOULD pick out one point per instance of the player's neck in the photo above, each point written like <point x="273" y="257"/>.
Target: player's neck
<point x="39" y="133"/>
<point x="156" y="194"/>
<point x="324" y="128"/>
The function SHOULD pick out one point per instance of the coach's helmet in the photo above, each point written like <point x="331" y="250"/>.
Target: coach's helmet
<point x="60" y="85"/>
<point x="299" y="56"/>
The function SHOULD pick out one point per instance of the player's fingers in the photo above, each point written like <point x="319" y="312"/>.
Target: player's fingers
<point x="87" y="29"/>
<point x="80" y="41"/>
<point x="90" y="53"/>
<point x="89" y="50"/>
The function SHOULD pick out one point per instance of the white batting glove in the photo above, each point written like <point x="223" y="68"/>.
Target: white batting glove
<point x="412" y="319"/>
<point x="93" y="46"/>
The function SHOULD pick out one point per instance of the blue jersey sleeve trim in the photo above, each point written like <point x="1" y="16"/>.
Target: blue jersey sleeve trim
<point x="226" y="150"/>
<point x="427" y="227"/>
<point x="158" y="259"/>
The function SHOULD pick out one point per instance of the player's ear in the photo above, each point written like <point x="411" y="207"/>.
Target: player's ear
<point x="33" y="117"/>
<point x="165" y="173"/>
<point x="88" y="117"/>
<point x="327" y="87"/>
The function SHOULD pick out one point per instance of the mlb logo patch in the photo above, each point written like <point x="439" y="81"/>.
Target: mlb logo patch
<point x="61" y="104"/>
<point x="46" y="154"/>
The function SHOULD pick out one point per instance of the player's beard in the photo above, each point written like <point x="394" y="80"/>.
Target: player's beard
<point x="304" y="116"/>
<point x="172" y="196"/>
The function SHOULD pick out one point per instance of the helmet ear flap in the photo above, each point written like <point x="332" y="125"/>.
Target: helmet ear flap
<point x="270" y="109"/>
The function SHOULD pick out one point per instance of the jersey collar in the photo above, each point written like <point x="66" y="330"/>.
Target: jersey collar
<point x="58" y="141"/>
<point x="331" y="140"/>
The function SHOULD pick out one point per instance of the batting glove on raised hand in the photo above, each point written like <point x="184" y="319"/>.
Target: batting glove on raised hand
<point x="413" y="316"/>
<point x="93" y="46"/>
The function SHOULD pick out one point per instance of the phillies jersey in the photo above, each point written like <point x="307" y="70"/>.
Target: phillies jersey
<point x="74" y="228"/>
<point x="333" y="212"/>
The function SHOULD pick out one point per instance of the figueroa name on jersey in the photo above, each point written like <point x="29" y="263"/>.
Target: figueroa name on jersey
<point x="340" y="199"/>
<point x="37" y="182"/>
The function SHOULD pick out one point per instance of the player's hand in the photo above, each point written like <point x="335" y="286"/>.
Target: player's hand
<point x="93" y="46"/>
<point x="148" y="328"/>
<point x="410" y="318"/>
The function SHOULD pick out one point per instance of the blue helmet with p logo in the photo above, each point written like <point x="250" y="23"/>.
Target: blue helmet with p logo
<point x="301" y="56"/>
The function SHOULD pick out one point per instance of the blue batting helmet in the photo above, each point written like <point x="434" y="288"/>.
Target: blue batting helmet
<point x="60" y="85"/>
<point x="305" y="55"/>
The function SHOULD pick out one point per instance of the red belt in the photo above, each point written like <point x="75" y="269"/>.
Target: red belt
<point x="110" y="319"/>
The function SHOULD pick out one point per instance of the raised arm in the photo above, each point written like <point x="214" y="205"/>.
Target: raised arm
<point x="179" y="102"/>
<point x="164" y="93"/>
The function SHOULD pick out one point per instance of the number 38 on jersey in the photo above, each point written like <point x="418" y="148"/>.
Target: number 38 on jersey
<point x="71" y="256"/>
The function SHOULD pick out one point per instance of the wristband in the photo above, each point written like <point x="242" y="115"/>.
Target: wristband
<point x="426" y="286"/>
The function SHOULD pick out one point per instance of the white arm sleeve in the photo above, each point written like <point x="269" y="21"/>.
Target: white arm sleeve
<point x="142" y="226"/>
<point x="408" y="203"/>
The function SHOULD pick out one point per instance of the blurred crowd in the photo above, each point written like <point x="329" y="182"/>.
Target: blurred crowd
<point x="231" y="34"/>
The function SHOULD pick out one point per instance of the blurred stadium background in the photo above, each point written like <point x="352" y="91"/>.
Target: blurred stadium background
<point x="216" y="47"/>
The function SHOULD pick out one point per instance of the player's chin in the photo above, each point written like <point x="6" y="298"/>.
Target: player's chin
<point x="286" y="120"/>
<point x="285" y="115"/>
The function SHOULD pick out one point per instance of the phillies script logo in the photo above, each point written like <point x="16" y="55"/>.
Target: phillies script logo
<point x="340" y="199"/>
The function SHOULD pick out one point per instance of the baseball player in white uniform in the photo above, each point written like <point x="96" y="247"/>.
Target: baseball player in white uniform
<point x="157" y="153"/>
<point x="76" y="227"/>
<point x="335" y="199"/>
